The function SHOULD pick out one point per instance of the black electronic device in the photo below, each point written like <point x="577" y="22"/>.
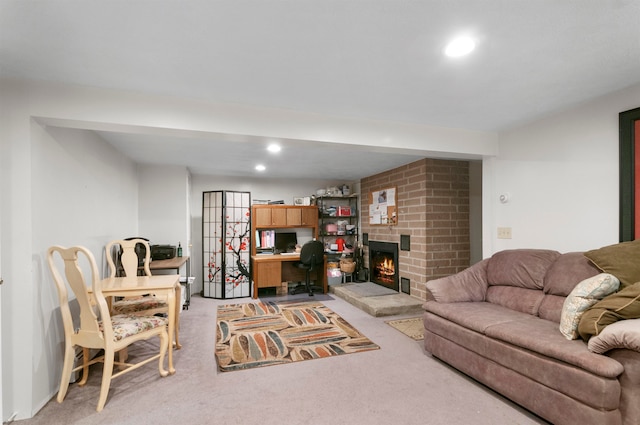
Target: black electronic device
<point x="162" y="252"/>
<point x="286" y="241"/>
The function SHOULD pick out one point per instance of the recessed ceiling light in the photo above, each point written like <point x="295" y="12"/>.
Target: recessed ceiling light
<point x="260" y="167"/>
<point x="274" y="148"/>
<point x="459" y="47"/>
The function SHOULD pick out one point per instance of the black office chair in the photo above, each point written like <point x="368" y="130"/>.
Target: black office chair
<point x="311" y="259"/>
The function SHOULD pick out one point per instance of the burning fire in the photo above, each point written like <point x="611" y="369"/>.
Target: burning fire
<point x="386" y="267"/>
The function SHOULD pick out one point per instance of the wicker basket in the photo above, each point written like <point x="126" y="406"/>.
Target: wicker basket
<point x="347" y="265"/>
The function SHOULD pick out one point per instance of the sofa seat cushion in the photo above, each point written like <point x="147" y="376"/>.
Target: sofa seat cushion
<point x="599" y="392"/>
<point x="551" y="308"/>
<point x="543" y="337"/>
<point x="477" y="316"/>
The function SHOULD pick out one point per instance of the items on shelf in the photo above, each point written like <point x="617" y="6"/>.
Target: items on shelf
<point x="334" y="191"/>
<point x="265" y="238"/>
<point x="338" y="223"/>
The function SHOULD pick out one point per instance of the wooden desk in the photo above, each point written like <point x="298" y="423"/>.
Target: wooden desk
<point x="271" y="271"/>
<point x="174" y="263"/>
<point x="168" y="285"/>
<point x="171" y="263"/>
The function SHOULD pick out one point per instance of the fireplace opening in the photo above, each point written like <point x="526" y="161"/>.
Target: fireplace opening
<point x="383" y="264"/>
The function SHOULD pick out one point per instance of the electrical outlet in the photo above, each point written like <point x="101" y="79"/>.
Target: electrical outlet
<point x="504" y="232"/>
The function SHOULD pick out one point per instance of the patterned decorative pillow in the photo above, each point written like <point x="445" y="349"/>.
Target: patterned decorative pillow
<point x="584" y="295"/>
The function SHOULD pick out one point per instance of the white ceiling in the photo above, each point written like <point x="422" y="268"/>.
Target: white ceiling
<point x="370" y="59"/>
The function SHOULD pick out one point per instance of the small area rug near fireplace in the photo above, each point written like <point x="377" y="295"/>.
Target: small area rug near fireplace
<point x="268" y="333"/>
<point x="413" y="327"/>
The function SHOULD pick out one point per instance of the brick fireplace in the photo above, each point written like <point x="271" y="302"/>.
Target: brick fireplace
<point x="433" y="214"/>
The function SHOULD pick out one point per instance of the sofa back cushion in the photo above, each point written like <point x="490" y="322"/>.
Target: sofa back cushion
<point x="524" y="300"/>
<point x="551" y="307"/>
<point x="524" y="268"/>
<point x="566" y="272"/>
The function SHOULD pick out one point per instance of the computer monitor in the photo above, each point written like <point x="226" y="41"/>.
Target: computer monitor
<point x="286" y="241"/>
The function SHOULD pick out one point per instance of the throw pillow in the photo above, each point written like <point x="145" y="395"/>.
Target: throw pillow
<point x="624" y="304"/>
<point x="584" y="295"/>
<point x="622" y="334"/>
<point x="621" y="260"/>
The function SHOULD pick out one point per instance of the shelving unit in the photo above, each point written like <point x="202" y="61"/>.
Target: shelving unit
<point x="338" y="219"/>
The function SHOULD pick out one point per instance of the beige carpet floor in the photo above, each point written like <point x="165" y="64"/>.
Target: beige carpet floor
<point x="398" y="384"/>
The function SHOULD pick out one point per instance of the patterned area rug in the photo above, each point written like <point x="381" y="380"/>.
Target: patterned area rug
<point x="263" y="334"/>
<point x="413" y="328"/>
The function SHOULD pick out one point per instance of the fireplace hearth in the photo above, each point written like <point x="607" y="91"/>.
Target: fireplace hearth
<point x="383" y="264"/>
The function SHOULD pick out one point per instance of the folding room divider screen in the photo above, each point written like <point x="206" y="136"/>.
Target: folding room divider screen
<point x="226" y="244"/>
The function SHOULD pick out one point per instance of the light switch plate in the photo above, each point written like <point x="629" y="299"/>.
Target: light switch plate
<point x="504" y="232"/>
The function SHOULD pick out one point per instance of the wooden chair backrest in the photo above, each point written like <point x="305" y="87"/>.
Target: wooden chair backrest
<point x="93" y="307"/>
<point x="129" y="257"/>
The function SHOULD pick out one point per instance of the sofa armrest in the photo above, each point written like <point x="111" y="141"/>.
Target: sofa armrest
<point x="621" y="334"/>
<point x="629" y="383"/>
<point x="468" y="285"/>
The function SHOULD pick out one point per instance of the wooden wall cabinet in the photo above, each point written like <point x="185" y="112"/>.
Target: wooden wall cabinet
<point x="265" y="217"/>
<point x="282" y="216"/>
<point x="270" y="217"/>
<point x="302" y="217"/>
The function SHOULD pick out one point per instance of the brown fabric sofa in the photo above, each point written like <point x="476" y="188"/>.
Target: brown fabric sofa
<point x="498" y="322"/>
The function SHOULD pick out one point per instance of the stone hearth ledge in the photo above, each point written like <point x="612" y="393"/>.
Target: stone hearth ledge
<point x="377" y="300"/>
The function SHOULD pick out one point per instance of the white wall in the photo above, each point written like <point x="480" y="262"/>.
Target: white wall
<point x="82" y="108"/>
<point x="83" y="193"/>
<point x="562" y="176"/>
<point x="17" y="291"/>
<point x="164" y="205"/>
<point x="561" y="173"/>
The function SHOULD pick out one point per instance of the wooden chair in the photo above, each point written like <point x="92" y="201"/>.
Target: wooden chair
<point x="128" y="265"/>
<point x="97" y="329"/>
